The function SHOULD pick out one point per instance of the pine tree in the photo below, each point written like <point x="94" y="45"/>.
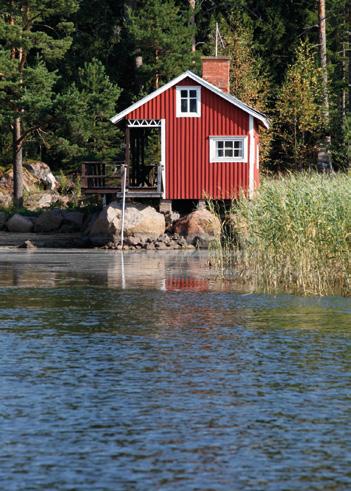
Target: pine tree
<point x="97" y="35"/>
<point x="299" y="119"/>
<point x="164" y="36"/>
<point x="82" y="128"/>
<point x="33" y="33"/>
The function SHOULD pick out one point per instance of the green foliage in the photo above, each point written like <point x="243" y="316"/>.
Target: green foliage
<point x="249" y="80"/>
<point x="97" y="35"/>
<point x="82" y="129"/>
<point x="162" y="35"/>
<point x="44" y="45"/>
<point x="299" y="122"/>
<point x="33" y="33"/>
<point x="295" y="235"/>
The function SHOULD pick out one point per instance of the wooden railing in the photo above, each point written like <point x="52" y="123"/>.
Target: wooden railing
<point x="101" y="176"/>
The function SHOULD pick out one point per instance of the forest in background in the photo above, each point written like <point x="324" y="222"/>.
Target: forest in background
<point x="67" y="66"/>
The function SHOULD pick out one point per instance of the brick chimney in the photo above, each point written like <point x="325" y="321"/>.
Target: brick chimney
<point x="216" y="71"/>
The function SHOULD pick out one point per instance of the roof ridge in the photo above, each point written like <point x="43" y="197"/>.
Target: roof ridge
<point x="188" y="73"/>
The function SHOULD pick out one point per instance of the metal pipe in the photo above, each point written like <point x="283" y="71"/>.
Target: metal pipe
<point x="123" y="202"/>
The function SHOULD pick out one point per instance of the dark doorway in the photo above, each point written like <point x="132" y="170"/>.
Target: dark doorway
<point x="145" y="156"/>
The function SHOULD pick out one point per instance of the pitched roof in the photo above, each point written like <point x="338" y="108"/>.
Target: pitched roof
<point x="188" y="74"/>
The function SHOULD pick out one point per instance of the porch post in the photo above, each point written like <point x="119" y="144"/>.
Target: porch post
<point x="251" y="156"/>
<point x="163" y="157"/>
<point x="127" y="154"/>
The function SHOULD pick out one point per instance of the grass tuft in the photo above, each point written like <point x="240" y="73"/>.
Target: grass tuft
<point x="294" y="236"/>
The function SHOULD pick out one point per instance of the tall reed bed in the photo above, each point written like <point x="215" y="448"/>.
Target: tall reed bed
<point x="295" y="235"/>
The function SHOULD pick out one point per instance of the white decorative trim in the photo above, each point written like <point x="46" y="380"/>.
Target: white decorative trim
<point x="188" y="74"/>
<point x="163" y="156"/>
<point x="144" y="123"/>
<point x="213" y="156"/>
<point x="252" y="157"/>
<point x="179" y="112"/>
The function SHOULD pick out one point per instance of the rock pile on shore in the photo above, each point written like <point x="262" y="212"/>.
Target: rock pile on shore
<point x="163" y="243"/>
<point x="144" y="228"/>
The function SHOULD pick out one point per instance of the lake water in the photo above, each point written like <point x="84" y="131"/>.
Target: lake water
<point x="147" y="372"/>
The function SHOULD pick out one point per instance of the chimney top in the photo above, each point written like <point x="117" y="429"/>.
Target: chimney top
<point x="216" y="71"/>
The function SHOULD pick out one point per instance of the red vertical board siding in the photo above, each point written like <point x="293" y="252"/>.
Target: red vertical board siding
<point x="257" y="169"/>
<point x="189" y="173"/>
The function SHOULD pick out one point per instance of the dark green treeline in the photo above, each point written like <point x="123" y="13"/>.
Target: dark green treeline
<point x="67" y="66"/>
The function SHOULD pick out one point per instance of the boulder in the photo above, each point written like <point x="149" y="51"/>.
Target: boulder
<point x="27" y="244"/>
<point x="150" y="247"/>
<point x="198" y="228"/>
<point x="140" y="221"/>
<point x="161" y="246"/>
<point x="38" y="200"/>
<point x="46" y="200"/>
<point x="49" y="221"/>
<point x="5" y="198"/>
<point x="30" y="182"/>
<point x="170" y="217"/>
<point x="72" y="221"/>
<point x="43" y="174"/>
<point x="19" y="223"/>
<point x="134" y="241"/>
<point x="89" y="222"/>
<point x="3" y="219"/>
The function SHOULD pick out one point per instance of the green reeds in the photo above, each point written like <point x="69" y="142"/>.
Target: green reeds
<point x="295" y="235"/>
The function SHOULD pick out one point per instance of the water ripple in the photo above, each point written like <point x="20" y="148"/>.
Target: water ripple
<point x="150" y="387"/>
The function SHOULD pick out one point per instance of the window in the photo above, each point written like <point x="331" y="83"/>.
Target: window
<point x="188" y="102"/>
<point x="228" y="149"/>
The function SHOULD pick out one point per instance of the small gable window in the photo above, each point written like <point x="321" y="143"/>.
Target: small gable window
<point x="228" y="149"/>
<point x="188" y="102"/>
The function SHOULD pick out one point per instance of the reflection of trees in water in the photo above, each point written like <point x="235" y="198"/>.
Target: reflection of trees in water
<point x="25" y="277"/>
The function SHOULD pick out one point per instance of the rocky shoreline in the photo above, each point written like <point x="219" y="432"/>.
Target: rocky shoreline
<point x="144" y="229"/>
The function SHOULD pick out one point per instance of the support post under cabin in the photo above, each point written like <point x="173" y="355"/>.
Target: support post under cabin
<point x="165" y="206"/>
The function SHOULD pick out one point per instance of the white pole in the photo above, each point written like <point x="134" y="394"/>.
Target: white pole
<point x="216" y="39"/>
<point x="123" y="274"/>
<point x="123" y="202"/>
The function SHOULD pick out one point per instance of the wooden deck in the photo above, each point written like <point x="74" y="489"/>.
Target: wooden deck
<point x="103" y="178"/>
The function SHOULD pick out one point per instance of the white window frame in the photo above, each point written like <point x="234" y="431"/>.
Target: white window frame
<point x="213" y="153"/>
<point x="181" y="114"/>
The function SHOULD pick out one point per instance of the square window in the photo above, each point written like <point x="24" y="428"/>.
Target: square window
<point x="188" y="101"/>
<point x="228" y="149"/>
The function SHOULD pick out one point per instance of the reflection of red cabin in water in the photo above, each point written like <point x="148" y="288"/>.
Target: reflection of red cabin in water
<point x="209" y="139"/>
<point x="187" y="284"/>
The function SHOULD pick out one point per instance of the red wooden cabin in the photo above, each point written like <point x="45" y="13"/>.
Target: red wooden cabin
<point x="208" y="139"/>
